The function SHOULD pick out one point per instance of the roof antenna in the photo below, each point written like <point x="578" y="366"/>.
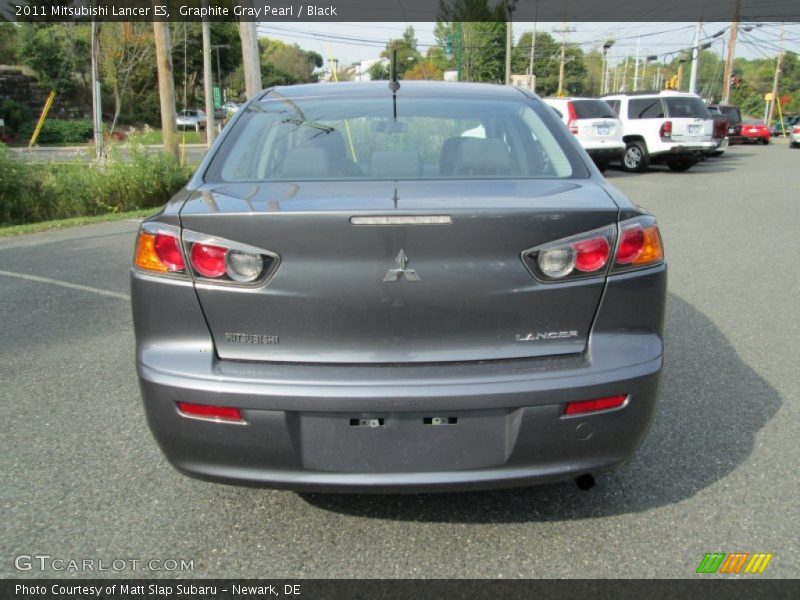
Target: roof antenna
<point x="394" y="85"/>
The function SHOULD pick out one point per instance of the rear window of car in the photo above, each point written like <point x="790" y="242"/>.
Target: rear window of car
<point x="340" y="137"/>
<point x="688" y="107"/>
<point x="645" y="108"/>
<point x="614" y="104"/>
<point x="592" y="109"/>
<point x="732" y="113"/>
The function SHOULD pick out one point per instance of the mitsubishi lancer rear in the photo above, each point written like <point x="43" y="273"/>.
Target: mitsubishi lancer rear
<point x="406" y="287"/>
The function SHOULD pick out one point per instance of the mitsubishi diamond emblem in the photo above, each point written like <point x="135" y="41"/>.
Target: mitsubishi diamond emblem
<point x="397" y="274"/>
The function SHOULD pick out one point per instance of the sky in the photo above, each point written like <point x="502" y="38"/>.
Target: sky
<point x="354" y="42"/>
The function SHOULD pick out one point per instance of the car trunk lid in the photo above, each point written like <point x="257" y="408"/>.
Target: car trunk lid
<point x="399" y="292"/>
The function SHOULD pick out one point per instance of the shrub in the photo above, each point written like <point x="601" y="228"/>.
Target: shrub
<point x="40" y="192"/>
<point x="15" y="115"/>
<point x="17" y="188"/>
<point x="59" y="131"/>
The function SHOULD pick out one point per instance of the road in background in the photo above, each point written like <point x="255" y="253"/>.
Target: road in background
<point x="81" y="476"/>
<point x="194" y="153"/>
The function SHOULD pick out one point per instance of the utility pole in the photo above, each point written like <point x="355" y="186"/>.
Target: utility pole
<point x="166" y="87"/>
<point x="97" y="107"/>
<point x="250" y="58"/>
<point x="510" y="6"/>
<point x="604" y="84"/>
<point x="531" y="67"/>
<point x="726" y="83"/>
<point x="695" y="58"/>
<point x="211" y="129"/>
<point x="775" y="83"/>
<point x="459" y="47"/>
<point x="219" y="70"/>
<point x="623" y="85"/>
<point x="563" y="31"/>
<point x="636" y="65"/>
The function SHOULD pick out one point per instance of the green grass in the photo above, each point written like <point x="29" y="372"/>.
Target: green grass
<point x="12" y="230"/>
<point x="153" y="137"/>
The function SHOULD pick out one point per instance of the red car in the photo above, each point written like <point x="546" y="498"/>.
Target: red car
<point x="755" y="131"/>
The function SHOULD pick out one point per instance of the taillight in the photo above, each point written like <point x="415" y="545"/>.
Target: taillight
<point x="639" y="244"/>
<point x="578" y="256"/>
<point x="598" y="404"/>
<point x="217" y="260"/>
<point x="796" y="130"/>
<point x="666" y="129"/>
<point x="591" y="254"/>
<point x="218" y="414"/>
<point x="208" y="260"/>
<point x="158" y="249"/>
<point x="632" y="244"/>
<point x="571" y="118"/>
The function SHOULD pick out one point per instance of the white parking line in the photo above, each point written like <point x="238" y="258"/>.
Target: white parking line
<point x="66" y="284"/>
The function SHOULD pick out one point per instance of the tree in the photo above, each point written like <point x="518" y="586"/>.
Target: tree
<point x="59" y="54"/>
<point x="546" y="64"/>
<point x="288" y="63"/>
<point x="482" y="49"/>
<point x="187" y="57"/>
<point x="378" y="71"/>
<point x="424" y="69"/>
<point x="8" y="44"/>
<point x="407" y="53"/>
<point x="483" y="38"/>
<point x="123" y="48"/>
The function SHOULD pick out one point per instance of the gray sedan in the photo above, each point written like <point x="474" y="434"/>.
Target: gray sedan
<point x="425" y="288"/>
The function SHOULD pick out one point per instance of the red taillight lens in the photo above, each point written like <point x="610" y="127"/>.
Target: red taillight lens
<point x="591" y="254"/>
<point x="796" y="130"/>
<point x="208" y="260"/>
<point x="571" y="118"/>
<point x="158" y="250"/>
<point x="631" y="243"/>
<point x="639" y="246"/>
<point x="168" y="250"/>
<point x="226" y="414"/>
<point x="588" y="406"/>
<point x="666" y="129"/>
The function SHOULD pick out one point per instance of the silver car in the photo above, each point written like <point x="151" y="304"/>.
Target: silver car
<point x="375" y="290"/>
<point x="191" y="119"/>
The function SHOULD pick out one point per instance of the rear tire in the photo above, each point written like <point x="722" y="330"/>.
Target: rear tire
<point x="765" y="141"/>
<point x="636" y="158"/>
<point x="681" y="165"/>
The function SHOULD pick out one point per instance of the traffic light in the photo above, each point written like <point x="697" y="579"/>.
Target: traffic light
<point x="736" y="81"/>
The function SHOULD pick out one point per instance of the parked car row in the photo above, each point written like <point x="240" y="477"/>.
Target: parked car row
<point x="668" y="127"/>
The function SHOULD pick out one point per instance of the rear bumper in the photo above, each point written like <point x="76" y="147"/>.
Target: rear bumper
<point x="510" y="429"/>
<point x="678" y="150"/>
<point x="606" y="152"/>
<point x="721" y="146"/>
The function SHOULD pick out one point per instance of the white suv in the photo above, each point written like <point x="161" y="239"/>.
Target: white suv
<point x="595" y="125"/>
<point x="674" y="128"/>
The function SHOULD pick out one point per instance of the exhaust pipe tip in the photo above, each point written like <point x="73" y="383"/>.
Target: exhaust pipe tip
<point x="585" y="482"/>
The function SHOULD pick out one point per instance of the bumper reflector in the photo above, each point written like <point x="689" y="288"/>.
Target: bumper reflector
<point x="587" y="406"/>
<point x="220" y="414"/>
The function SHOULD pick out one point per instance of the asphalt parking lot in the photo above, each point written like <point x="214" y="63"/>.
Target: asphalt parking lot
<point x="82" y="478"/>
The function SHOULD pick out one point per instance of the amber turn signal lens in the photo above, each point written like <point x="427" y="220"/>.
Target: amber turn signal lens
<point x="652" y="251"/>
<point x="146" y="256"/>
